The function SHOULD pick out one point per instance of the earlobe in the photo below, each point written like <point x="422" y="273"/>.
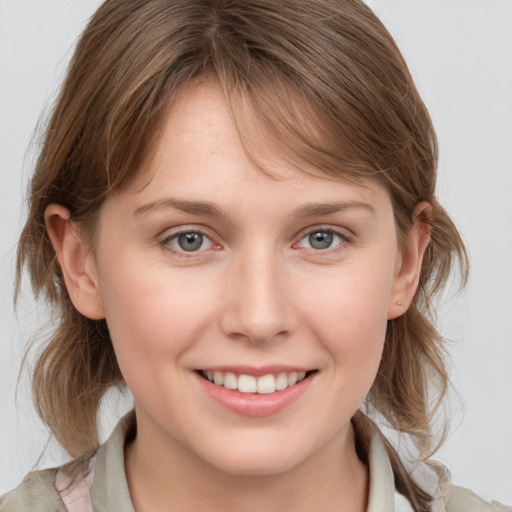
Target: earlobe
<point x="409" y="266"/>
<point x="76" y="262"/>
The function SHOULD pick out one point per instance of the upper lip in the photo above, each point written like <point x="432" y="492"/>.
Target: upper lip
<point x="256" y="371"/>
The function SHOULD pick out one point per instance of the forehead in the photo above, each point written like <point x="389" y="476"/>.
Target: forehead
<point x="200" y="173"/>
<point x="200" y="136"/>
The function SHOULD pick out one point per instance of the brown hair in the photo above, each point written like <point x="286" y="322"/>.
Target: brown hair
<point x="326" y="81"/>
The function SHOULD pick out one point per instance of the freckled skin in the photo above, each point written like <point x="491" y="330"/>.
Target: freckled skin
<point x="255" y="292"/>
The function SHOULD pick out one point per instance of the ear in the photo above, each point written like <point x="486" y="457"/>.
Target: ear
<point x="76" y="261"/>
<point x="408" y="267"/>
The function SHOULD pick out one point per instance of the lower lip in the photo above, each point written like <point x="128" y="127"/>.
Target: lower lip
<point x="254" y="404"/>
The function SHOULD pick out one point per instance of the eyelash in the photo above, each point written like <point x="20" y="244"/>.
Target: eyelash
<point x="166" y="243"/>
<point x="344" y="240"/>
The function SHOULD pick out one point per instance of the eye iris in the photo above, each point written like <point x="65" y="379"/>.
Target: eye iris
<point x="190" y="241"/>
<point x="320" y="239"/>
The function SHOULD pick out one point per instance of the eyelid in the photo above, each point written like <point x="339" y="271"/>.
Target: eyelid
<point x="343" y="234"/>
<point x="165" y="241"/>
<point x="337" y="230"/>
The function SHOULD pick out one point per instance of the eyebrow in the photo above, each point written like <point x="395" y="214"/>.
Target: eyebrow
<point x="320" y="209"/>
<point x="193" y="207"/>
<point x="205" y="208"/>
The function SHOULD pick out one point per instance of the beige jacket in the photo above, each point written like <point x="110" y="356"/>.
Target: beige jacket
<point x="105" y="489"/>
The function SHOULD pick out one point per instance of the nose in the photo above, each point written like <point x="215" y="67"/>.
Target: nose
<point x="258" y="302"/>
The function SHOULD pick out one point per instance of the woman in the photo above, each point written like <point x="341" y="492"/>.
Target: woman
<point x="234" y="214"/>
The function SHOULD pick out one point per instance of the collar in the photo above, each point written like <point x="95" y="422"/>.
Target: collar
<point x="382" y="484"/>
<point x="110" y="488"/>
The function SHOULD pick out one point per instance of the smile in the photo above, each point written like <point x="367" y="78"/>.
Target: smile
<point x="244" y="383"/>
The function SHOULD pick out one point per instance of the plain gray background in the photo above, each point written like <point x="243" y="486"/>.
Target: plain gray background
<point x="460" y="52"/>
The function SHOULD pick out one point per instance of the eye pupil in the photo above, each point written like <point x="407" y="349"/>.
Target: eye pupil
<point x="321" y="239"/>
<point x="190" y="241"/>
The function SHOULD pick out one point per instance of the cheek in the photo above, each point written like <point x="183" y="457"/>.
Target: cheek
<point x="153" y="316"/>
<point x="350" y="318"/>
<point x="356" y="340"/>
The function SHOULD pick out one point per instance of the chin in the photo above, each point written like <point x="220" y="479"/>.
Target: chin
<point x="255" y="462"/>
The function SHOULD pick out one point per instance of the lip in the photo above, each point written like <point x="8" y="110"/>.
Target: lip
<point x="254" y="404"/>
<point x="256" y="371"/>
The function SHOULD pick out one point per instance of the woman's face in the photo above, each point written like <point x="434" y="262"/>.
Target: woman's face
<point x="217" y="271"/>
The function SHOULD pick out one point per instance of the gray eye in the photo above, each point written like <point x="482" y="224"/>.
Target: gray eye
<point x="320" y="239"/>
<point x="190" y="241"/>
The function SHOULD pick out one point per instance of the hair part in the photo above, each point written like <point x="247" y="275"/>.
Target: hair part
<point x="328" y="86"/>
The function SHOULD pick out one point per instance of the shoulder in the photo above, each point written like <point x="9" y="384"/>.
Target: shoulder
<point x="36" y="493"/>
<point x="459" y="499"/>
<point x="74" y="485"/>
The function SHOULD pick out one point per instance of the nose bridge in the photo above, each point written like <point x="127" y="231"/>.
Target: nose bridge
<point x="259" y="307"/>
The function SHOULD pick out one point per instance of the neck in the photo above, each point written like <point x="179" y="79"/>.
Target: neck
<point x="332" y="479"/>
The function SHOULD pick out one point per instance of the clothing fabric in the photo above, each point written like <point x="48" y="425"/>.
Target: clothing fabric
<point x="104" y="488"/>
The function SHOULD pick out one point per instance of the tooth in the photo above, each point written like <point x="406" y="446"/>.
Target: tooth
<point x="292" y="378"/>
<point x="250" y="384"/>
<point x="230" y="380"/>
<point x="266" y="384"/>
<point x="247" y="384"/>
<point x="281" y="381"/>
